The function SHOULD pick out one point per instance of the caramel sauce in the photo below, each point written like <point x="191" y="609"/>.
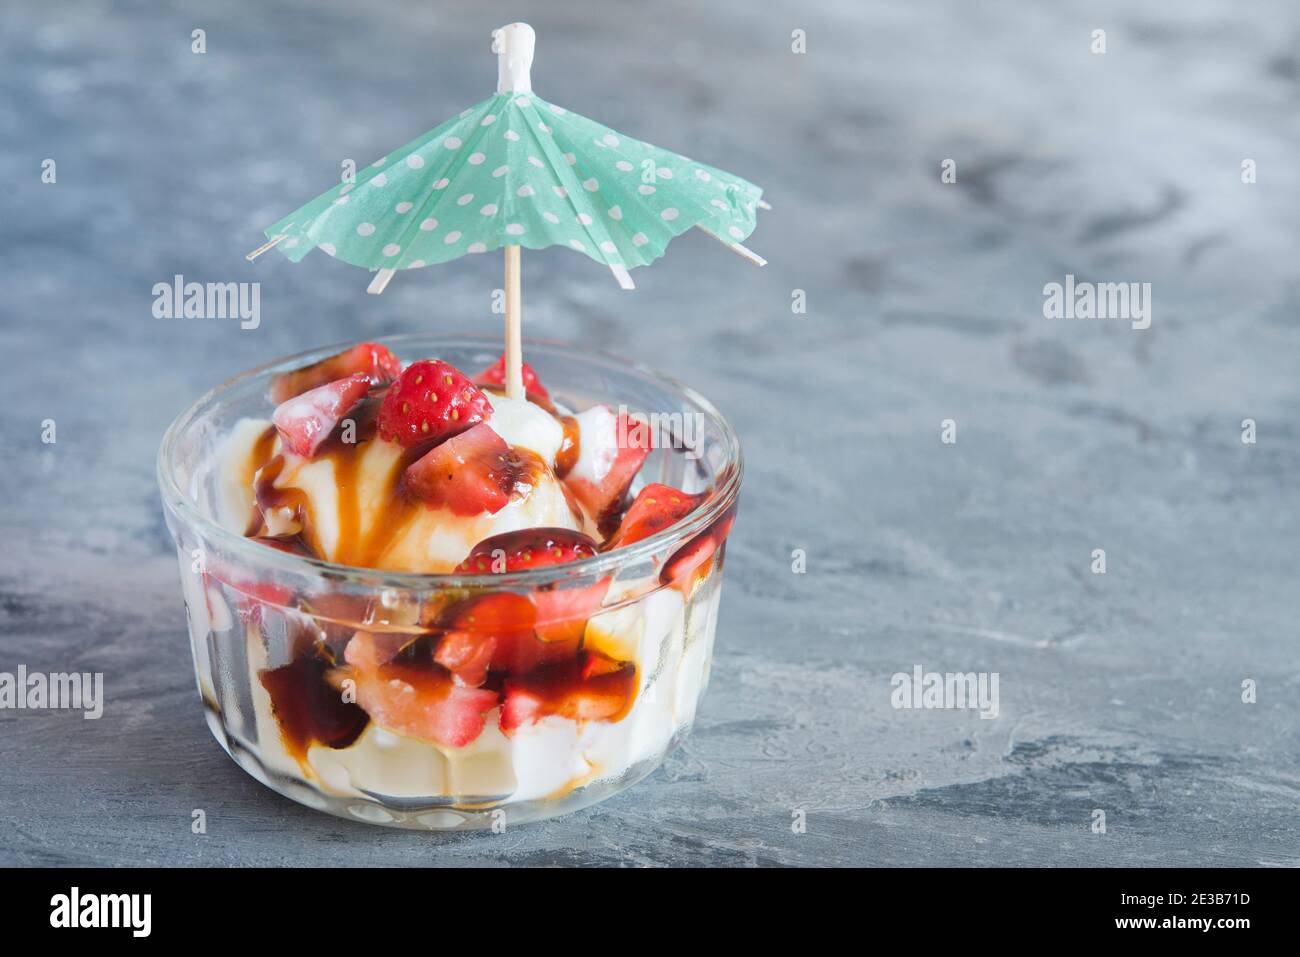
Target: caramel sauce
<point x="353" y="548"/>
<point x="608" y="522"/>
<point x="257" y="458"/>
<point x="588" y="687"/>
<point x="269" y="497"/>
<point x="345" y="457"/>
<point x="570" y="448"/>
<point x="520" y="471"/>
<point x="309" y="709"/>
<point x="414" y="665"/>
<point x="260" y="452"/>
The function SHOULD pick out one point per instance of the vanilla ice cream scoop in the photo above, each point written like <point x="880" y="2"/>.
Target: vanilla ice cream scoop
<point x="349" y="504"/>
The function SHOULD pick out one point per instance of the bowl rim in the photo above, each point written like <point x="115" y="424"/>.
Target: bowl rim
<point x="724" y="496"/>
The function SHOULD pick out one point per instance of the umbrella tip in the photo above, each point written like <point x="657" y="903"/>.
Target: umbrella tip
<point x="513" y="44"/>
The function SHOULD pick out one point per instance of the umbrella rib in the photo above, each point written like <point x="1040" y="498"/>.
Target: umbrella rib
<point x="265" y="246"/>
<point x="381" y="281"/>
<point x="623" y="277"/>
<point x="573" y="187"/>
<point x="741" y="251"/>
<point x="429" y="204"/>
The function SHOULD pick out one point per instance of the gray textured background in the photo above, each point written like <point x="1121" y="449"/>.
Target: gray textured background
<point x="1119" y="692"/>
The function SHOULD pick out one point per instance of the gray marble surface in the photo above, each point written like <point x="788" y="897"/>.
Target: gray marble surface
<point x="1119" y="692"/>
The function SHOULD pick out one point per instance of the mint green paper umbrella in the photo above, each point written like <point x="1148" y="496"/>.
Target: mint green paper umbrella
<point x="512" y="171"/>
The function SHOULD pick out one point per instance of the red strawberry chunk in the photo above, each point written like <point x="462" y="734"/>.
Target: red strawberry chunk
<point x="264" y="593"/>
<point x="471" y="473"/>
<point x="306" y="420"/>
<point x="527" y="548"/>
<point x="253" y="596"/>
<point x="419" y="701"/>
<point x="589" y="687"/>
<point x="484" y="632"/>
<point x="494" y="632"/>
<point x="655" y="508"/>
<point x="691" y="562"/>
<point x="612" y="448"/>
<point x="431" y="400"/>
<point x="369" y="359"/>
<point x="467" y="655"/>
<point x="521" y="707"/>
<point x="252" y="593"/>
<point x="495" y="375"/>
<point x="562" y="613"/>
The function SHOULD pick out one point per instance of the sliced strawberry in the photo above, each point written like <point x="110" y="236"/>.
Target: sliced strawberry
<point x="527" y="548"/>
<point x="521" y="707"/>
<point x="467" y="655"/>
<point x="562" y="613"/>
<point x="655" y="508"/>
<point x="252" y="598"/>
<point x="417" y="700"/>
<point x="484" y="631"/>
<point x="306" y="420"/>
<point x="691" y="562"/>
<point x="494" y="632"/>
<point x="611" y="450"/>
<point x="270" y="593"/>
<point x="262" y="593"/>
<point x="252" y="594"/>
<point x="495" y="375"/>
<point x="590" y="687"/>
<point x="471" y="473"/>
<point x="430" y="401"/>
<point x="369" y="359"/>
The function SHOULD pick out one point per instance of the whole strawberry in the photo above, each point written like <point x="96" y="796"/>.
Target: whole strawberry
<point x="430" y="401"/>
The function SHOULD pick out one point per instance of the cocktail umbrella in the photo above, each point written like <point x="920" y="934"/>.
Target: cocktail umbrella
<point x="514" y="171"/>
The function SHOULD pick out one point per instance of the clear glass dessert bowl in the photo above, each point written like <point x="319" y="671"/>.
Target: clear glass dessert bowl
<point x="324" y="681"/>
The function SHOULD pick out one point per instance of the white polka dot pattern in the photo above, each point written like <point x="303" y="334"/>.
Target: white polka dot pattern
<point x="516" y="169"/>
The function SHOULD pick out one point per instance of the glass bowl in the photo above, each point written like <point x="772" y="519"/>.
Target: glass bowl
<point x="319" y="679"/>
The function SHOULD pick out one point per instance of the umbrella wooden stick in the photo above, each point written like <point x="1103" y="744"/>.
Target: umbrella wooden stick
<point x="514" y="44"/>
<point x="514" y="326"/>
<point x="737" y="248"/>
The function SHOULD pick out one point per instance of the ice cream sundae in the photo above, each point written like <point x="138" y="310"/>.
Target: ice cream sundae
<point x="476" y="689"/>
